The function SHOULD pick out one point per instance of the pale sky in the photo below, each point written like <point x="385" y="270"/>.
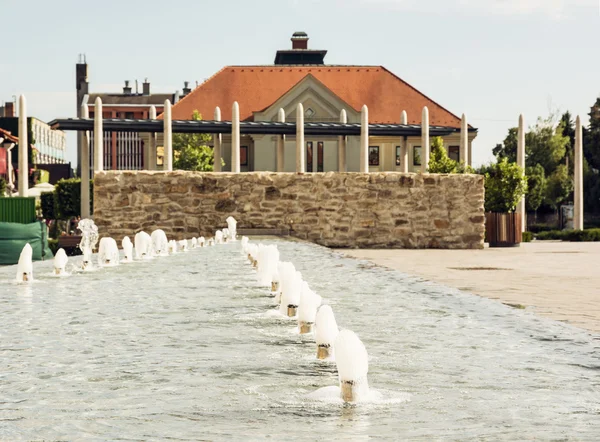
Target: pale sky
<point x="492" y="59"/>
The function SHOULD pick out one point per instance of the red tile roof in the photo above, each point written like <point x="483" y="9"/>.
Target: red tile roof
<point x="256" y="88"/>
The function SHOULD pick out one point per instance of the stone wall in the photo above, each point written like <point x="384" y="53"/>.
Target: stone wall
<point x="385" y="209"/>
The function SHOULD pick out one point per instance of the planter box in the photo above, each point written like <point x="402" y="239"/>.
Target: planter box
<point x="503" y="229"/>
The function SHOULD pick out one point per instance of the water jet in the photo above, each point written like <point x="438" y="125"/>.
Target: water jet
<point x="60" y="262"/>
<point x="25" y="264"/>
<point x="108" y="252"/>
<point x="352" y="363"/>
<point x="326" y="331"/>
<point x="127" y="249"/>
<point x="160" y="244"/>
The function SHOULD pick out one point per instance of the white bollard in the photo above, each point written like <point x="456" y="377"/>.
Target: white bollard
<point x="521" y="163"/>
<point x="364" y="139"/>
<point x="23" y="148"/>
<point x="404" y="145"/>
<point x="300" y="161"/>
<point x="85" y="167"/>
<point x="168" y="135"/>
<point x="342" y="166"/>
<point x="281" y="144"/>
<point x="235" y="138"/>
<point x="98" y="137"/>
<point x="425" y="144"/>
<point x="578" y="194"/>
<point x="217" y="141"/>
<point x="151" y="164"/>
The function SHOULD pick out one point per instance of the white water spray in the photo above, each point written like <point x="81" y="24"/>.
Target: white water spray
<point x="143" y="245"/>
<point x="108" y="252"/>
<point x="326" y="331"/>
<point x="25" y="264"/>
<point x="127" y="249"/>
<point x="160" y="244"/>
<point x="60" y="262"/>
<point x="232" y="227"/>
<point x="307" y="309"/>
<point x="352" y="363"/>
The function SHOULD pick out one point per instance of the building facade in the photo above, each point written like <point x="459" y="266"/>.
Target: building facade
<point x="122" y="151"/>
<point x="300" y="75"/>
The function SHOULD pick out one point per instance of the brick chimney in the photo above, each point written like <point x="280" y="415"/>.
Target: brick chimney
<point x="299" y="40"/>
<point x="9" y="109"/>
<point x="127" y="88"/>
<point x="146" y="87"/>
<point x="186" y="88"/>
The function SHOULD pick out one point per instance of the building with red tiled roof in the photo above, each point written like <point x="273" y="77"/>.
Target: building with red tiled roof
<point x="301" y="76"/>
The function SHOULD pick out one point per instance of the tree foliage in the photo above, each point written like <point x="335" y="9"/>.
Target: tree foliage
<point x="558" y="187"/>
<point x="192" y="151"/>
<point x="440" y="162"/>
<point x="536" y="186"/>
<point x="505" y="185"/>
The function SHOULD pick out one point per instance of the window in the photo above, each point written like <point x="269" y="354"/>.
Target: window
<point x="129" y="115"/>
<point x="373" y="155"/>
<point x="398" y="155"/>
<point x="416" y="155"/>
<point x="320" y="156"/>
<point x="309" y="156"/>
<point x="243" y="155"/>
<point x="309" y="113"/>
<point x="454" y="153"/>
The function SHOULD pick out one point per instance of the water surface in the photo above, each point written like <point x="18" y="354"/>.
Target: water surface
<point x="186" y="347"/>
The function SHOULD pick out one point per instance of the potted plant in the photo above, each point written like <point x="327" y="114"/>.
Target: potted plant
<point x="505" y="185"/>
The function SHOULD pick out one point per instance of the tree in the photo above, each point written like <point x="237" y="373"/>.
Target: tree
<point x="558" y="187"/>
<point x="591" y="137"/>
<point x="536" y="186"/>
<point x="509" y="148"/>
<point x="546" y="145"/>
<point x="440" y="162"/>
<point x="505" y="185"/>
<point x="191" y="151"/>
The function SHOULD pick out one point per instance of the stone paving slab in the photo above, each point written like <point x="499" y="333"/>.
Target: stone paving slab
<point x="559" y="280"/>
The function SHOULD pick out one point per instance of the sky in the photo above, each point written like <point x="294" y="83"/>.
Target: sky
<point x="490" y="59"/>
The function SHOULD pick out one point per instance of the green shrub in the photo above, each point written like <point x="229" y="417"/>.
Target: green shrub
<point x="537" y="228"/>
<point x="505" y="185"/>
<point x="48" y="202"/>
<point x="527" y="237"/>
<point x="2" y="187"/>
<point x="68" y="198"/>
<point x="41" y="176"/>
<point x="53" y="244"/>
<point x="570" y="235"/>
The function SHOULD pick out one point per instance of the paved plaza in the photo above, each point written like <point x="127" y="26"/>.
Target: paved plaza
<point x="559" y="280"/>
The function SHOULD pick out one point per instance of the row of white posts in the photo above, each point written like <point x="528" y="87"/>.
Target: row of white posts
<point x="150" y="155"/>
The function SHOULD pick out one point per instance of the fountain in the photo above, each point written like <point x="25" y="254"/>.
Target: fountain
<point x="60" y="262"/>
<point x="183" y="245"/>
<point x="143" y="245"/>
<point x="108" y="252"/>
<point x="194" y="243"/>
<point x="226" y="234"/>
<point x="201" y="241"/>
<point x="89" y="238"/>
<point x="127" y="249"/>
<point x="307" y="309"/>
<point x="172" y="247"/>
<point x="244" y="245"/>
<point x="25" y="265"/>
<point x="326" y="330"/>
<point x="219" y="237"/>
<point x="267" y="258"/>
<point x="352" y="363"/>
<point x="232" y="227"/>
<point x="160" y="245"/>
<point x="290" y="293"/>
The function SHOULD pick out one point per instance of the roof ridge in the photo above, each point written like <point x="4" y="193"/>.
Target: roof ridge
<point x="419" y="92"/>
<point x="195" y="90"/>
